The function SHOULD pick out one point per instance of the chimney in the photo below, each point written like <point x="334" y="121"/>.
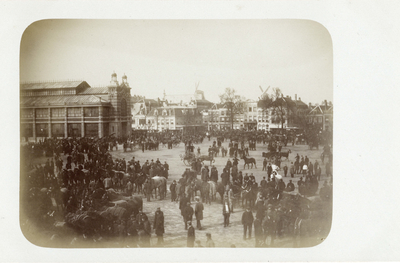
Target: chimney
<point x="299" y="99"/>
<point x="309" y="104"/>
<point x="295" y="96"/>
<point x="326" y="103"/>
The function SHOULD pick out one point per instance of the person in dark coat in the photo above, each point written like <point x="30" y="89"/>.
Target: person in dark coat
<point x="183" y="202"/>
<point x="198" y="211"/>
<point x="147" y="187"/>
<point x="240" y="177"/>
<point x="172" y="188"/>
<point x="281" y="185"/>
<point x="191" y="235"/>
<point x="247" y="222"/>
<point x="228" y="164"/>
<point x="260" y="208"/>
<point x="263" y="183"/>
<point x="225" y="178"/>
<point x="290" y="186"/>
<point x="204" y="174"/>
<point x="140" y="216"/>
<point x="214" y="174"/>
<point x="166" y="168"/>
<point x="188" y="214"/>
<point x="159" y="226"/>
<point x="285" y="170"/>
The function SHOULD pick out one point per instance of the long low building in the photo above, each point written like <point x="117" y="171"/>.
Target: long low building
<point x="75" y="109"/>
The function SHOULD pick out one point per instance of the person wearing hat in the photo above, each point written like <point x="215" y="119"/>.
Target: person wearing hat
<point x="159" y="226"/>
<point x="172" y="189"/>
<point x="191" y="234"/>
<point x="209" y="242"/>
<point x="247" y="221"/>
<point x="226" y="211"/>
<point x="166" y="168"/>
<point x="265" y="162"/>
<point x="204" y="174"/>
<point x="240" y="177"/>
<point x="292" y="170"/>
<point x="214" y="174"/>
<point x="198" y="212"/>
<point x="263" y="183"/>
<point x="290" y="186"/>
<point x="281" y="185"/>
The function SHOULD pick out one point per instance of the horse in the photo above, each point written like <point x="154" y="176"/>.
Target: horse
<point x="160" y="183"/>
<point x="285" y="154"/>
<point x="249" y="161"/>
<point x="139" y="182"/>
<point x="203" y="158"/>
<point x="191" y="189"/>
<point x="130" y="145"/>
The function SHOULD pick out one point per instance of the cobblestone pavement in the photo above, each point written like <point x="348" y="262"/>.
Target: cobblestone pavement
<point x="175" y="233"/>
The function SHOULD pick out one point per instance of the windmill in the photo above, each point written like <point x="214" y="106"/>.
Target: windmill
<point x="263" y="92"/>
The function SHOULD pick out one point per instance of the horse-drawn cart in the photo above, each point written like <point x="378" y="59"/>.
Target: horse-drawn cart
<point x="188" y="158"/>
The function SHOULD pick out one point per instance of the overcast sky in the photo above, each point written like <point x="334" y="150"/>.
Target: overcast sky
<point x="172" y="55"/>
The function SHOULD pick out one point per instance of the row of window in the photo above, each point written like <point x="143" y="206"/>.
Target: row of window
<point x="60" y="112"/>
<point x="57" y="129"/>
<point x="316" y="119"/>
<point x="49" y="92"/>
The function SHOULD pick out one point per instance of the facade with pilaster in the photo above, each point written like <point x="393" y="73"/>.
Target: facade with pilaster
<point x="74" y="109"/>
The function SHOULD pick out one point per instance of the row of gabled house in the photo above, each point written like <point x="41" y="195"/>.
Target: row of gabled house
<point x="62" y="109"/>
<point x="193" y="112"/>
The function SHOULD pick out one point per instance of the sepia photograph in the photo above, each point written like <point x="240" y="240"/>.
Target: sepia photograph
<point x="176" y="133"/>
<point x="199" y="131"/>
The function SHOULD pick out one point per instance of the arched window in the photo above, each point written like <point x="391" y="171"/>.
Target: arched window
<point x="123" y="107"/>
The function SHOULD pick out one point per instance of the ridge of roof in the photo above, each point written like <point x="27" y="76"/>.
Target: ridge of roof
<point x="52" y="85"/>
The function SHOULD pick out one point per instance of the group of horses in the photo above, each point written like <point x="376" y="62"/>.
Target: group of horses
<point x="138" y="179"/>
<point x="208" y="192"/>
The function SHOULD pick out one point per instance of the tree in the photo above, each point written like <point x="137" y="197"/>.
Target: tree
<point x="233" y="103"/>
<point x="281" y="108"/>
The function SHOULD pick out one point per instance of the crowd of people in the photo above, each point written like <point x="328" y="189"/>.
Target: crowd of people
<point x="85" y="172"/>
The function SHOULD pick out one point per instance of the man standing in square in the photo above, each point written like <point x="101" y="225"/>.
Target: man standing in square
<point x="198" y="211"/>
<point x="247" y="221"/>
